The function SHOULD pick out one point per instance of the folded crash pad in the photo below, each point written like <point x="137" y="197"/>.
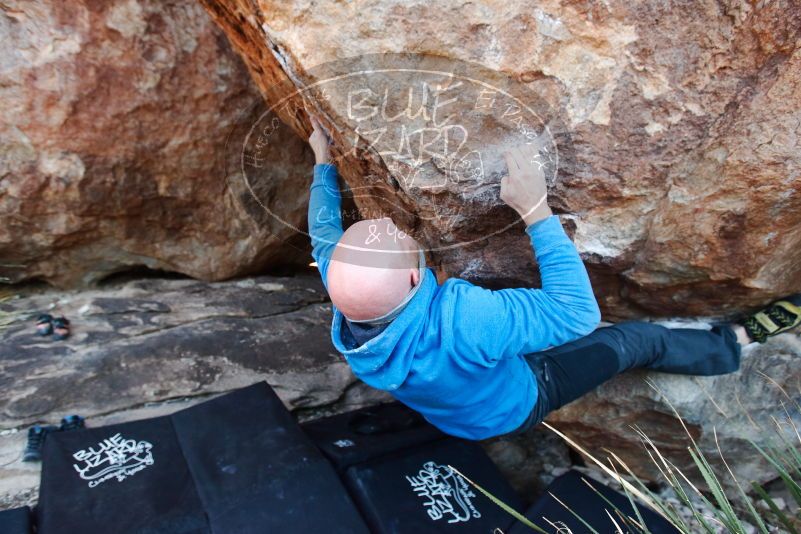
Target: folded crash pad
<point x="361" y="435"/>
<point x="572" y="489"/>
<point x="16" y="521"/>
<point x="235" y="464"/>
<point x="415" y="491"/>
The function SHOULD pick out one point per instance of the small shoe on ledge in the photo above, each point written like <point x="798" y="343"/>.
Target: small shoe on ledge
<point x="778" y="317"/>
<point x="36" y="438"/>
<point x="44" y="325"/>
<point x="72" y="422"/>
<point x="61" y="328"/>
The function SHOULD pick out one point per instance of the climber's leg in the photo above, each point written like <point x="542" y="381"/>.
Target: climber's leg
<point x="570" y="371"/>
<point x="684" y="351"/>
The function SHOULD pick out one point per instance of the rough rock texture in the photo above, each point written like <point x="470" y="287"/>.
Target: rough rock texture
<point x="113" y="146"/>
<point x="146" y="347"/>
<point x="674" y="160"/>
<point x="679" y="155"/>
<point x="151" y="340"/>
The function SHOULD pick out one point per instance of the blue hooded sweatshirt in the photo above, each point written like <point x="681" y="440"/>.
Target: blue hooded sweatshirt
<point x="455" y="352"/>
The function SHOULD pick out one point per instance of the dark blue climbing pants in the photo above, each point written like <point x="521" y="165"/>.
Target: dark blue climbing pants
<point x="567" y="372"/>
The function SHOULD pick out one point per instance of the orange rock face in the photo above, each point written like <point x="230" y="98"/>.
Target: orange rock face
<point x="679" y="170"/>
<point x="673" y="133"/>
<point x="114" y="128"/>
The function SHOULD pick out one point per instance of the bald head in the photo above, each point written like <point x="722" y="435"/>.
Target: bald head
<point x="373" y="268"/>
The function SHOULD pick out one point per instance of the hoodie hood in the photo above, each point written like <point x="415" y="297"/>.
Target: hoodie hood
<point x="384" y="361"/>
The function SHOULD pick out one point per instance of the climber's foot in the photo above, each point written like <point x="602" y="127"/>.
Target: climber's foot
<point x="778" y="317"/>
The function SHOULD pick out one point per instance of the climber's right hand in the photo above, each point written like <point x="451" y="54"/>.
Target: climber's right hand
<point x="525" y="188"/>
<point x="319" y="142"/>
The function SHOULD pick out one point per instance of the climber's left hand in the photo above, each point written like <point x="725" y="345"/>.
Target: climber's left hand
<point x="320" y="143"/>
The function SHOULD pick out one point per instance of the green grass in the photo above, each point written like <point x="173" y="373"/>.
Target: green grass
<point x="732" y="503"/>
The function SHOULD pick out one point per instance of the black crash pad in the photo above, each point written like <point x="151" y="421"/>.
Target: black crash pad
<point x="236" y="464"/>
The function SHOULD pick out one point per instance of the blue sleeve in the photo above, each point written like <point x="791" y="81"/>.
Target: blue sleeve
<point x="490" y="325"/>
<point x="325" y="216"/>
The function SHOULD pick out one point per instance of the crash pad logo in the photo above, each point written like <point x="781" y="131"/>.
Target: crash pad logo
<point x="114" y="457"/>
<point x="446" y="494"/>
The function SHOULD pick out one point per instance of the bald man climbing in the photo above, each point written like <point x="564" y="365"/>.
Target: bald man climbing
<point x="479" y="363"/>
<point x="450" y="351"/>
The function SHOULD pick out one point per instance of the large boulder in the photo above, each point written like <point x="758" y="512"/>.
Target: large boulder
<point x="676" y="127"/>
<point x="113" y="138"/>
<point x="670" y="138"/>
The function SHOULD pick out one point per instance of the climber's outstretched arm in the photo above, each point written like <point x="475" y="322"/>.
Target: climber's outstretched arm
<point x="325" y="201"/>
<point x="510" y="322"/>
